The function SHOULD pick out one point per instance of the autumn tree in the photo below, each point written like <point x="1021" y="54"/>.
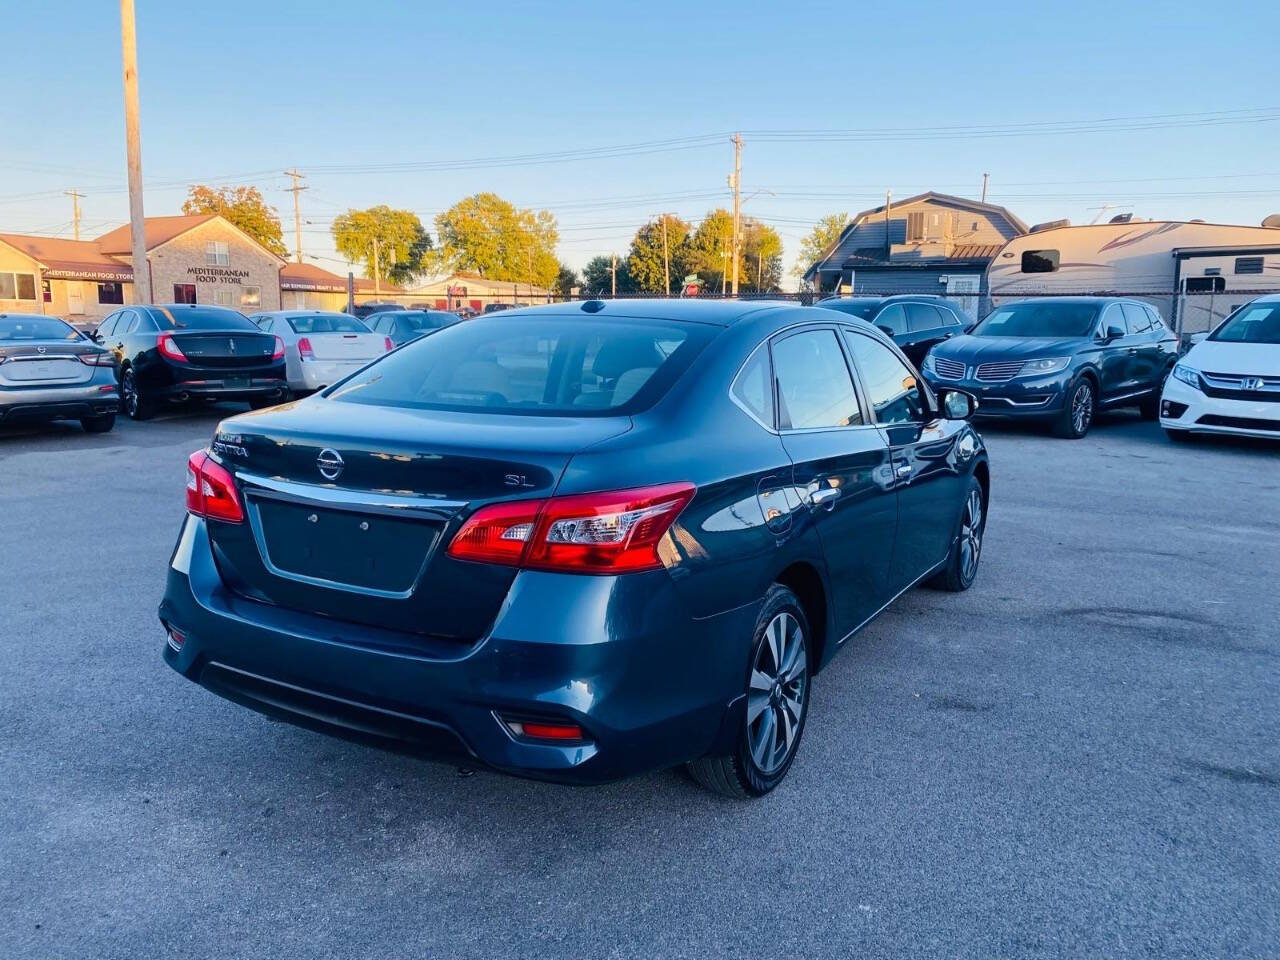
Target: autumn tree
<point x="760" y="270"/>
<point x="647" y="263"/>
<point x="243" y="206"/>
<point x="708" y="250"/>
<point x="488" y="235"/>
<point x="403" y="244"/>
<point x="823" y="235"/>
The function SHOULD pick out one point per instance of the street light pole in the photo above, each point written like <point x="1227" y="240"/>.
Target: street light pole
<point x="133" y="146"/>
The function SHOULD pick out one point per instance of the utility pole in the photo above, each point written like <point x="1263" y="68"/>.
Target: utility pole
<point x="377" y="271"/>
<point x="297" y="213"/>
<point x="613" y="275"/>
<point x="888" y="203"/>
<point x="133" y="148"/>
<point x="985" y="176"/>
<point x="736" y="182"/>
<point x="666" y="257"/>
<point x="75" y="196"/>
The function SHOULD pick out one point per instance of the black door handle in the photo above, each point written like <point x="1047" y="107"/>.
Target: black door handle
<point x="1133" y="350"/>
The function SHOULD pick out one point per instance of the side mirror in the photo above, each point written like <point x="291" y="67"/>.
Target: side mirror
<point x="957" y="405"/>
<point x="887" y="331"/>
<point x="1113" y="332"/>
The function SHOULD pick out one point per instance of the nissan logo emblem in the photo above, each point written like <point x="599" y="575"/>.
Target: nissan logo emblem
<point x="330" y="463"/>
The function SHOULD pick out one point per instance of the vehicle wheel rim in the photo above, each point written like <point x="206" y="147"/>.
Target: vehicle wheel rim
<point x="1082" y="408"/>
<point x="971" y="536"/>
<point x="130" y="394"/>
<point x="775" y="699"/>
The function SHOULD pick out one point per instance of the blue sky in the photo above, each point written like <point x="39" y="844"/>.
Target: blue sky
<point x="238" y="91"/>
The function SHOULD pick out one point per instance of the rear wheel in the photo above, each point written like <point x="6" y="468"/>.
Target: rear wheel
<point x="777" y="704"/>
<point x="99" y="424"/>
<point x="1077" y="414"/>
<point x="966" y="549"/>
<point x="137" y="406"/>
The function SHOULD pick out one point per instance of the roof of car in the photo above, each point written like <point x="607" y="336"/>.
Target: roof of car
<point x="722" y="313"/>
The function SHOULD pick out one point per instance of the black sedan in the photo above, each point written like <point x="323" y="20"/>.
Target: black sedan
<point x="1060" y="359"/>
<point x="185" y="351"/>
<point x="51" y="371"/>
<point x="576" y="542"/>
<point x="916" y="322"/>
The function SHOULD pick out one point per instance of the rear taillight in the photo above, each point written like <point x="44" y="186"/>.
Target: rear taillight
<point x="211" y="491"/>
<point x="278" y="352"/>
<point x="614" y="532"/>
<point x="93" y="359"/>
<point x="304" y="349"/>
<point x="169" y="348"/>
<point x="388" y="344"/>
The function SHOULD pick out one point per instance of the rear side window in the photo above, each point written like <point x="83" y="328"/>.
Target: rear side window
<point x="814" y="386"/>
<point x="753" y="387"/>
<point x="1136" y="318"/>
<point x="922" y="316"/>
<point x="894" y="319"/>
<point x="201" y="318"/>
<point x="326" y="323"/>
<point x="1156" y="322"/>
<point x="890" y="388"/>
<point x="548" y="365"/>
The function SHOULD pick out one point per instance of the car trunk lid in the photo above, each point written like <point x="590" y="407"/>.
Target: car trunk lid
<point x="347" y="346"/>
<point x="232" y="348"/>
<point x="55" y="363"/>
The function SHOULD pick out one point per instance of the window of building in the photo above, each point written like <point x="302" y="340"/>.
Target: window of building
<point x="17" y="286"/>
<point x="111" y="293"/>
<point x="184" y="293"/>
<point x="216" y="254"/>
<point x="1040" y="261"/>
<point x="814" y="386"/>
<point x="1248" y="264"/>
<point x="1206" y="284"/>
<point x="892" y="389"/>
<point x="250" y="296"/>
<point x="224" y="297"/>
<point x="915" y="226"/>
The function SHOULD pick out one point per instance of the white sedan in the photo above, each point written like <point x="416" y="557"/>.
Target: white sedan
<point x="1229" y="382"/>
<point x="321" y="348"/>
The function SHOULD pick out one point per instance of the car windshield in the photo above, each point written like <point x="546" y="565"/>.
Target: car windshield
<point x="1032" y="319"/>
<point x="201" y="318"/>
<point x="863" y="308"/>
<point x="548" y="365"/>
<point x="35" y="328"/>
<point x="326" y="323"/>
<point x="1255" y="323"/>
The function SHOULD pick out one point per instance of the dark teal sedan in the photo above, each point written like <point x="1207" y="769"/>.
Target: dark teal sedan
<point x="576" y="542"/>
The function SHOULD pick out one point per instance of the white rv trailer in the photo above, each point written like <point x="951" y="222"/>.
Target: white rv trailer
<point x="1193" y="273"/>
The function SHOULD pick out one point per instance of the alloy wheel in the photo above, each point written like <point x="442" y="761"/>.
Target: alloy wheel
<point x="778" y="687"/>
<point x="971" y="536"/>
<point x="1082" y="407"/>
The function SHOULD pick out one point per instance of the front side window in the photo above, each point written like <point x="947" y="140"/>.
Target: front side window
<point x="1040" y="261"/>
<point x="893" y="320"/>
<point x="216" y="254"/>
<point x="111" y="293"/>
<point x="1113" y="324"/>
<point x="1033" y="318"/>
<point x="892" y="390"/>
<point x="753" y="387"/>
<point x="922" y="316"/>
<point x="553" y="365"/>
<point x="814" y="386"/>
<point x="23" y="327"/>
<point x="1256" y="323"/>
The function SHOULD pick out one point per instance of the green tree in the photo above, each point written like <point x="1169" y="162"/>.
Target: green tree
<point x="647" y="261"/>
<point x="708" y="250"/>
<point x="566" y="280"/>
<point x="244" y="207"/>
<point x="823" y="235"/>
<point x="596" y="279"/>
<point x="490" y="236"/>
<point x="403" y="243"/>
<point x="761" y="267"/>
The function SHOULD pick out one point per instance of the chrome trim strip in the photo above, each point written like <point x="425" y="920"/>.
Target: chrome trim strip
<point x="396" y="504"/>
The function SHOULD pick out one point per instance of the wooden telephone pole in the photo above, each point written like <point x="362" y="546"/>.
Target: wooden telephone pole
<point x="75" y="196"/>
<point x="666" y="257"/>
<point x="133" y="149"/>
<point x="735" y="181"/>
<point x="297" y="213"/>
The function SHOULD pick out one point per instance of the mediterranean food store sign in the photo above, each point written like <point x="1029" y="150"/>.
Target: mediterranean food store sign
<point x="224" y="275"/>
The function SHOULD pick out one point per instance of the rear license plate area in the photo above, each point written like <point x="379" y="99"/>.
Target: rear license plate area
<point x="236" y="383"/>
<point x="361" y="550"/>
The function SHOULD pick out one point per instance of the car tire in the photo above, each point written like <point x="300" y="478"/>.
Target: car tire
<point x="966" y="545"/>
<point x="99" y="424"/>
<point x="1150" y="405"/>
<point x="137" y="406"/>
<point x="777" y="690"/>
<point x="1078" y="411"/>
<point x="1177" y="436"/>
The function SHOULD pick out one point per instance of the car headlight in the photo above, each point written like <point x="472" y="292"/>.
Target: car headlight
<point x="1188" y="375"/>
<point x="1034" y="368"/>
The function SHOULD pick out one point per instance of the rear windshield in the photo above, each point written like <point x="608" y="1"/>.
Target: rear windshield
<point x="855" y="308"/>
<point x="427" y="319"/>
<point x="326" y="323"/>
<point x="35" y="328"/>
<point x="547" y="365"/>
<point x="201" y="318"/>
<point x="1032" y="319"/>
<point x="1256" y="323"/>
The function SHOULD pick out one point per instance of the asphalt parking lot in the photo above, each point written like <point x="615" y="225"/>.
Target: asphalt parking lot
<point x="1078" y="757"/>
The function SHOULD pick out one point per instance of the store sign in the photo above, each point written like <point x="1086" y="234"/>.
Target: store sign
<point x="108" y="275"/>
<point x="218" y="275"/>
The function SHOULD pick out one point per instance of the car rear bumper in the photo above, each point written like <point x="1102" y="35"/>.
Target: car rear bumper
<point x="1037" y="397"/>
<point x="622" y="657"/>
<point x="245" y="388"/>
<point x="323" y="373"/>
<point x="1182" y="407"/>
<point x="61" y="403"/>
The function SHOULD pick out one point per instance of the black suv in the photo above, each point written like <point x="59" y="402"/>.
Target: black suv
<point x="916" y="322"/>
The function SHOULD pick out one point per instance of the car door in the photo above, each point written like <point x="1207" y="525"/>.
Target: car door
<point x="841" y="470"/>
<point x="926" y="467"/>
<point x="924" y="329"/>
<point x="1114" y="357"/>
<point x="1146" y="356"/>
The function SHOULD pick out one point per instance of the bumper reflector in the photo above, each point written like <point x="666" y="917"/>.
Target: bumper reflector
<point x="559" y="731"/>
<point x="176" y="638"/>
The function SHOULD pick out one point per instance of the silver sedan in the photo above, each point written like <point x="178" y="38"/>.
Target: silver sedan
<point x="320" y="348"/>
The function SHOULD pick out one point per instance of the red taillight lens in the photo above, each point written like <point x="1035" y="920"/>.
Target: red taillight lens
<point x="211" y="492"/>
<point x="169" y="348"/>
<point x="389" y="345"/>
<point x="589" y="533"/>
<point x="544" y="730"/>
<point x="92" y="359"/>
<point x="278" y="353"/>
<point x="304" y="349"/>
